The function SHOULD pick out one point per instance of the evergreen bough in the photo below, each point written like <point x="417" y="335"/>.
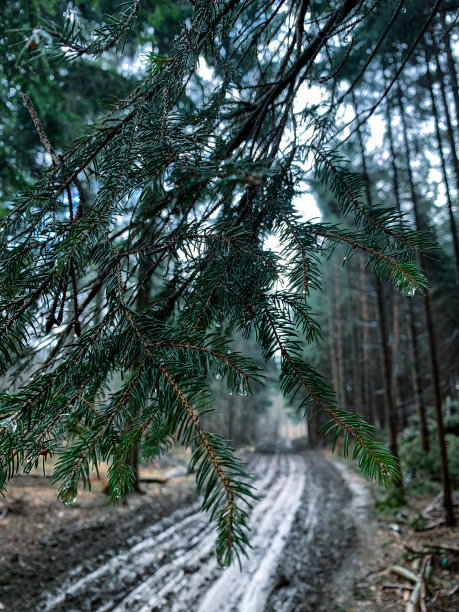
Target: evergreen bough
<point x="123" y="260"/>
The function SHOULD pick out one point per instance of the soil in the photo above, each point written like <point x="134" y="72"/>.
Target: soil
<point x="317" y="546"/>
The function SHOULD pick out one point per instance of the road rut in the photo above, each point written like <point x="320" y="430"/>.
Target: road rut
<point x="301" y="528"/>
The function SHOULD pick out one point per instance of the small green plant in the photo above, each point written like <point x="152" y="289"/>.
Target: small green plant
<point x="418" y="522"/>
<point x="421" y="469"/>
<point x="391" y="502"/>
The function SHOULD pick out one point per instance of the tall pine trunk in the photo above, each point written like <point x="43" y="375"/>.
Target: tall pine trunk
<point x="455" y="162"/>
<point x="447" y="498"/>
<point x="386" y="372"/>
<point x="416" y="379"/>
<point x="386" y="363"/>
<point x="331" y="331"/>
<point x="412" y="337"/>
<point x="142" y="301"/>
<point x="357" y="362"/>
<point x="451" y="66"/>
<point x="368" y="383"/>
<point x="340" y="339"/>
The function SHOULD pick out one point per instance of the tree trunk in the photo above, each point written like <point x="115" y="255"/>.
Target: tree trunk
<point x="395" y="372"/>
<point x="451" y="66"/>
<point x="357" y="362"/>
<point x="416" y="378"/>
<point x="386" y="366"/>
<point x="452" y="221"/>
<point x="134" y="456"/>
<point x="230" y="412"/>
<point x="447" y="499"/>
<point x="340" y="340"/>
<point x="447" y="114"/>
<point x="368" y="385"/>
<point x="386" y="372"/>
<point x="412" y="337"/>
<point x="331" y="333"/>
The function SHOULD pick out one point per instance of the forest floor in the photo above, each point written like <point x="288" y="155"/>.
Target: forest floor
<point x="318" y="545"/>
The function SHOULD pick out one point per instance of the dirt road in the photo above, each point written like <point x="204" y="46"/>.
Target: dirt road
<point x="301" y="530"/>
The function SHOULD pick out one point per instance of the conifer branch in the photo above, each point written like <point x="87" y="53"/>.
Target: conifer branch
<point x="202" y="349"/>
<point x="338" y="175"/>
<point x="39" y="127"/>
<point x="298" y="242"/>
<point x="414" y="281"/>
<point x="384" y="461"/>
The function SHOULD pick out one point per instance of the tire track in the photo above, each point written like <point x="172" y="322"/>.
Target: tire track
<point x="300" y="527"/>
<point x="158" y="542"/>
<point x="150" y="594"/>
<point x="247" y="591"/>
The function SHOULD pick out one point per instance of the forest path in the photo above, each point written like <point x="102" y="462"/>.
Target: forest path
<point x="301" y="528"/>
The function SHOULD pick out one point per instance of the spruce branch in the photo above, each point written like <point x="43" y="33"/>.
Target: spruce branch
<point x="230" y="517"/>
<point x="103" y="39"/>
<point x="375" y="460"/>
<point x="405" y="276"/>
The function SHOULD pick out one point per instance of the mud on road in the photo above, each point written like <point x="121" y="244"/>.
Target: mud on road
<point x="161" y="556"/>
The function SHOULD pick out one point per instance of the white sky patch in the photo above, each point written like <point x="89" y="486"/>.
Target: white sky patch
<point x="306" y="205"/>
<point x="204" y="71"/>
<point x="272" y="243"/>
<point x="308" y="96"/>
<point x="377" y="130"/>
<point x="348" y="113"/>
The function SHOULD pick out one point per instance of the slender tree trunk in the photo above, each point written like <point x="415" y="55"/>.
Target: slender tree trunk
<point x="386" y="371"/>
<point x="446" y="112"/>
<point x="134" y="456"/>
<point x="340" y="340"/>
<point x="396" y="295"/>
<point x="447" y="499"/>
<point x="416" y="378"/>
<point x="357" y="365"/>
<point x="368" y="383"/>
<point x="451" y="67"/>
<point x="412" y="337"/>
<point x="395" y="372"/>
<point x="312" y="431"/>
<point x="452" y="221"/>
<point x="386" y="365"/>
<point x="331" y="333"/>
<point x="230" y="412"/>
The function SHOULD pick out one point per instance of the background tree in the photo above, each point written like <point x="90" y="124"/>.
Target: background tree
<point x="411" y="110"/>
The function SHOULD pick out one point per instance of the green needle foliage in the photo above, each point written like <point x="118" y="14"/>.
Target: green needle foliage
<point x="123" y="259"/>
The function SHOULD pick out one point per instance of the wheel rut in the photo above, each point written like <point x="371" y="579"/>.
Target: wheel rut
<point x="171" y="565"/>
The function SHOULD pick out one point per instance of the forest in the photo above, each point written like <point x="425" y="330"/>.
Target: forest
<point x="229" y="297"/>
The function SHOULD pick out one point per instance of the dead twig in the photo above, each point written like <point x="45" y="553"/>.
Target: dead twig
<point x="429" y="549"/>
<point x="398" y="586"/>
<point x="425" y="572"/>
<point x="404" y="573"/>
<point x="432" y="526"/>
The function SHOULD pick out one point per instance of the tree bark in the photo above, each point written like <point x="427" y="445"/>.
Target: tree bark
<point x="386" y="371"/>
<point x="368" y="385"/>
<point x="447" y="498"/>
<point x="412" y="337"/>
<point x="386" y="365"/>
<point x="451" y="66"/>
<point x="133" y="460"/>
<point x="340" y="340"/>
<point x="331" y="333"/>
<point x="455" y="162"/>
<point x="416" y="378"/>
<point x="357" y="361"/>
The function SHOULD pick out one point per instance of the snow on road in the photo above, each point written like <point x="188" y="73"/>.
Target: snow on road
<point x="172" y="566"/>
